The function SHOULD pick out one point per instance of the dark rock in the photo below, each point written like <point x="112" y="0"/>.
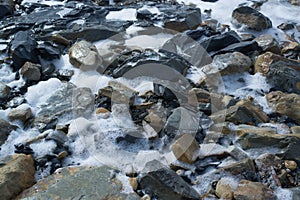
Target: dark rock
<point x="64" y="74"/>
<point x="286" y="26"/>
<point x="4" y="92"/>
<point x="48" y="51"/>
<point x="48" y="69"/>
<point x="16" y="175"/>
<point x="6" y="8"/>
<point x="144" y="14"/>
<point x="5" y="128"/>
<point x="251" y="18"/>
<point x="241" y="168"/>
<point x="295" y="2"/>
<point x="24" y="149"/>
<point x="166" y="184"/>
<point x="31" y="71"/>
<point x="246" y="48"/>
<point x="218" y="42"/>
<point x="81" y="182"/>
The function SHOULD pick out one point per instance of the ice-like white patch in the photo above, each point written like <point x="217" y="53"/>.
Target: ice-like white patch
<point x="6" y="74"/>
<point x="124" y="14"/>
<point x="43" y="148"/>
<point x="152" y="9"/>
<point x="45" y="2"/>
<point x="126" y="187"/>
<point x="284" y="194"/>
<point x="148" y="41"/>
<point x="280" y="128"/>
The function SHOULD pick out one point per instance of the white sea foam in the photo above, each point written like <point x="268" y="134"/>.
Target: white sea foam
<point x="124" y="14"/>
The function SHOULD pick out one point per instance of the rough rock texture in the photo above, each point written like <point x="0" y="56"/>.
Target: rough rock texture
<point x="31" y="71"/>
<point x="4" y="92"/>
<point x="225" y="188"/>
<point x="79" y="183"/>
<point x="241" y="168"/>
<point x="285" y="104"/>
<point x="251" y="18"/>
<point x="5" y="128"/>
<point x="6" y="8"/>
<point x="248" y="190"/>
<point x="20" y="113"/>
<point x="16" y="175"/>
<point x="268" y="43"/>
<point x="295" y="2"/>
<point x="84" y="55"/>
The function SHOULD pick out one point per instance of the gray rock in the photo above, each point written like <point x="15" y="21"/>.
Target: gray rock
<point x="295" y="2"/>
<point x="16" y="175"/>
<point x="20" y="113"/>
<point x="251" y="18"/>
<point x="84" y="55"/>
<point x="166" y="184"/>
<point x="4" y="92"/>
<point x="6" y="8"/>
<point x="247" y="48"/>
<point x="268" y="43"/>
<point x="91" y="183"/>
<point x="5" y="129"/>
<point x="58" y="136"/>
<point x="23" y="49"/>
<point x="241" y="168"/>
<point x="31" y="71"/>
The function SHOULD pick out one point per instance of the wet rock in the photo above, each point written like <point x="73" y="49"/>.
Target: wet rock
<point x="84" y="55"/>
<point x="58" y="136"/>
<point x="20" y="113"/>
<point x="23" y="148"/>
<point x="290" y="164"/>
<point x="31" y="71"/>
<point x="65" y="74"/>
<point x="237" y="153"/>
<point x="155" y="121"/>
<point x="247" y="37"/>
<point x="268" y="43"/>
<point x="5" y="128"/>
<point x="295" y="129"/>
<point x="87" y="182"/>
<point x="251" y="18"/>
<point x="218" y="42"/>
<point x="185" y="148"/>
<point x="225" y="188"/>
<point x="244" y="112"/>
<point x="295" y="2"/>
<point x="245" y="190"/>
<point x="16" y="175"/>
<point x="212" y="149"/>
<point x="4" y="92"/>
<point x="166" y="184"/>
<point x="247" y="48"/>
<point x="48" y="51"/>
<point x="184" y="19"/>
<point x="229" y="63"/>
<point x="290" y="47"/>
<point x="23" y="49"/>
<point x="6" y="8"/>
<point x="48" y="69"/>
<point x="285" y="104"/>
<point x="241" y="168"/>
<point x="286" y="26"/>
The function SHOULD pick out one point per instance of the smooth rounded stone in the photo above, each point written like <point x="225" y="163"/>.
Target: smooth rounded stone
<point x="16" y="174"/>
<point x="285" y="104"/>
<point x="22" y="113"/>
<point x="77" y="182"/>
<point x="295" y="129"/>
<point x="229" y="63"/>
<point x="84" y="55"/>
<point x="225" y="188"/>
<point x="4" y="92"/>
<point x="290" y="164"/>
<point x="164" y="183"/>
<point x="31" y="71"/>
<point x="218" y="42"/>
<point x="253" y="191"/>
<point x="186" y="148"/>
<point x="183" y="18"/>
<point x="23" y="49"/>
<point x="286" y="26"/>
<point x="6" y="8"/>
<point x="295" y="2"/>
<point x="5" y="128"/>
<point x="250" y="17"/>
<point x="268" y="43"/>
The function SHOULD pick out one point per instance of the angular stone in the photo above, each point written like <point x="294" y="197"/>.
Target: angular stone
<point x="79" y="182"/>
<point x="185" y="148"/>
<point x="4" y="92"/>
<point x="212" y="149"/>
<point x="291" y="46"/>
<point x="20" y="113"/>
<point x="268" y="43"/>
<point x="240" y="168"/>
<point x="285" y="104"/>
<point x="225" y="188"/>
<point x="247" y="48"/>
<point x="295" y="2"/>
<point x="5" y="128"/>
<point x="155" y="121"/>
<point x="253" y="191"/>
<point x="16" y="175"/>
<point x="251" y="18"/>
<point x="31" y="71"/>
<point x="6" y="8"/>
<point x="166" y="184"/>
<point x="84" y="55"/>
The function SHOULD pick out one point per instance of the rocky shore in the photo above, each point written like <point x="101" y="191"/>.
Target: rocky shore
<point x="133" y="99"/>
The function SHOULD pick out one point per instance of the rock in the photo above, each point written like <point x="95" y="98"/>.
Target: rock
<point x="251" y="18"/>
<point x="183" y="19"/>
<point x="31" y="71"/>
<point x="16" y="175"/>
<point x="166" y="184"/>
<point x="225" y="188"/>
<point x="247" y="37"/>
<point x="5" y="128"/>
<point x="244" y="112"/>
<point x="49" y="51"/>
<point x="77" y="182"/>
<point x="212" y="149"/>
<point x="237" y="153"/>
<point x="4" y="92"/>
<point x="133" y="183"/>
<point x="295" y="2"/>
<point x="241" y="168"/>
<point x="58" y="136"/>
<point x="185" y="148"/>
<point x="268" y="43"/>
<point x="155" y="121"/>
<point x="64" y="74"/>
<point x="291" y="46"/>
<point x="22" y="113"/>
<point x="295" y="129"/>
<point x="290" y="164"/>
<point x="218" y="42"/>
<point x="229" y="63"/>
<point x="247" y="48"/>
<point x="23" y="49"/>
<point x="84" y="55"/>
<point x="245" y="190"/>
<point x="285" y="104"/>
<point x="286" y="26"/>
<point x="6" y="8"/>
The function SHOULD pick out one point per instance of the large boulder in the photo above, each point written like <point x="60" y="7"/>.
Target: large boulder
<point x="23" y="49"/>
<point x="84" y="55"/>
<point x="80" y="182"/>
<point x="285" y="104"/>
<point x="16" y="174"/>
<point x="251" y="18"/>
